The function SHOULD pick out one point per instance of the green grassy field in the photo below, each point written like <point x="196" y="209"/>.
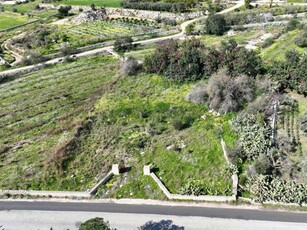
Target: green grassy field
<point x="135" y="124"/>
<point x="8" y="20"/>
<point x="295" y="1"/>
<point x="40" y="110"/>
<point x="241" y="37"/>
<point x="22" y="8"/>
<point x="63" y="127"/>
<point x="107" y="3"/>
<point x="281" y="46"/>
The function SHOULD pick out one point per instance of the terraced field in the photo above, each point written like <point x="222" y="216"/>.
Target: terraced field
<point x="40" y="110"/>
<point x="62" y="128"/>
<point x="283" y="44"/>
<point x="108" y="3"/>
<point x="109" y="30"/>
<point x="8" y="20"/>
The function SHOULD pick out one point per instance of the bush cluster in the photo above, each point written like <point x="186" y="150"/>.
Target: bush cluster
<point x="155" y="6"/>
<point x="191" y="60"/>
<point x="269" y="189"/>
<point x="291" y="73"/>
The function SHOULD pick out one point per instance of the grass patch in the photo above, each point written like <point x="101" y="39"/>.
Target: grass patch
<point x="134" y="122"/>
<point x="104" y="3"/>
<point x="8" y="20"/>
<point x="22" y="8"/>
<point x="281" y="46"/>
<point x="40" y="111"/>
<point x="296" y="1"/>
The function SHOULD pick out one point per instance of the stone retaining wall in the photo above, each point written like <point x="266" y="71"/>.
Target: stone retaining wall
<point x="147" y="171"/>
<point x="185" y="197"/>
<point x="64" y="194"/>
<point x="145" y="14"/>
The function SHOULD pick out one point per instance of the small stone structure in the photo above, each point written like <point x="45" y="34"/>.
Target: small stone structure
<point x="89" y="16"/>
<point x="145" y="14"/>
<point x="147" y="171"/>
<point x="65" y="194"/>
<point x="115" y="169"/>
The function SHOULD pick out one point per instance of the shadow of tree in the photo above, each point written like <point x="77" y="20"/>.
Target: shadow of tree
<point x="161" y="225"/>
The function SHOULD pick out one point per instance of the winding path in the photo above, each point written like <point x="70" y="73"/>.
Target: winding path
<point x="109" y="49"/>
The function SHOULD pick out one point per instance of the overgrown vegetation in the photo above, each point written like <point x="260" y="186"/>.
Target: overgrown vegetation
<point x="191" y="60"/>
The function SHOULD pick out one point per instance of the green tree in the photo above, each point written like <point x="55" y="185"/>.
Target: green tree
<point x="95" y="224"/>
<point x="216" y="24"/>
<point x="123" y="44"/>
<point x="247" y="3"/>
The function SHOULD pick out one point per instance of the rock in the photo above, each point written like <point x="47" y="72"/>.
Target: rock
<point x="89" y="16"/>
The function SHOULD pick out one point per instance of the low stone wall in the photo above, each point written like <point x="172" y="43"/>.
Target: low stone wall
<point x="21" y="25"/>
<point x="147" y="171"/>
<point x="46" y="193"/>
<point x="185" y="197"/>
<point x="64" y="194"/>
<point x="145" y="14"/>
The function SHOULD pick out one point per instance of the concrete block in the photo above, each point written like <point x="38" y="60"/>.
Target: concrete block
<point x="115" y="169"/>
<point x="147" y="169"/>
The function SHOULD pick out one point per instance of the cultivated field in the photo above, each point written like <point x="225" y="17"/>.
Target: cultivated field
<point x="8" y="20"/>
<point x="107" y="3"/>
<point x="53" y="137"/>
<point x="283" y="44"/>
<point x="137" y="124"/>
<point x="40" y="110"/>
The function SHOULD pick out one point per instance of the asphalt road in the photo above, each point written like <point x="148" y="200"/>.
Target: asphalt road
<point x="241" y="214"/>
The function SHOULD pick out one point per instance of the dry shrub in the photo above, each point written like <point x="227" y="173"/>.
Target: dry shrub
<point x="228" y="94"/>
<point x="129" y="66"/>
<point x="197" y="95"/>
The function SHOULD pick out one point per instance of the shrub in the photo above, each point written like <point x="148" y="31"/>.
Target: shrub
<point x="301" y="39"/>
<point x="254" y="135"/>
<point x="186" y="122"/>
<point x="262" y="165"/>
<point x="292" y="24"/>
<point x="303" y="124"/>
<point x="129" y="66"/>
<point x="95" y="224"/>
<point x="197" y="95"/>
<point x="216" y="24"/>
<point x="63" y="11"/>
<point x="32" y="57"/>
<point x="267" y="42"/>
<point x="123" y="44"/>
<point x="228" y="94"/>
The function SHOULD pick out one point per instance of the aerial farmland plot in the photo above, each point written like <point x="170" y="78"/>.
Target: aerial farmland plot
<point x="8" y="19"/>
<point x="39" y="109"/>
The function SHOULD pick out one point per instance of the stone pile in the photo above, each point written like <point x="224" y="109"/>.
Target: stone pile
<point x="89" y="16"/>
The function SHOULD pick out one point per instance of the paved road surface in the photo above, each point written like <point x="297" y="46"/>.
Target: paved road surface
<point x="60" y="215"/>
<point x="244" y="214"/>
<point x="45" y="220"/>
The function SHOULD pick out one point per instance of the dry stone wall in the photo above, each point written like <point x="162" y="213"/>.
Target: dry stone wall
<point x="144" y="14"/>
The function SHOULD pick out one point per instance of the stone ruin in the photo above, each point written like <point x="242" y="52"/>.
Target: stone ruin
<point x="89" y="16"/>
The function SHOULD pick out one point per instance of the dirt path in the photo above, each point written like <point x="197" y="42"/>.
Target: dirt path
<point x="17" y="56"/>
<point x="302" y="110"/>
<point x="108" y="49"/>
